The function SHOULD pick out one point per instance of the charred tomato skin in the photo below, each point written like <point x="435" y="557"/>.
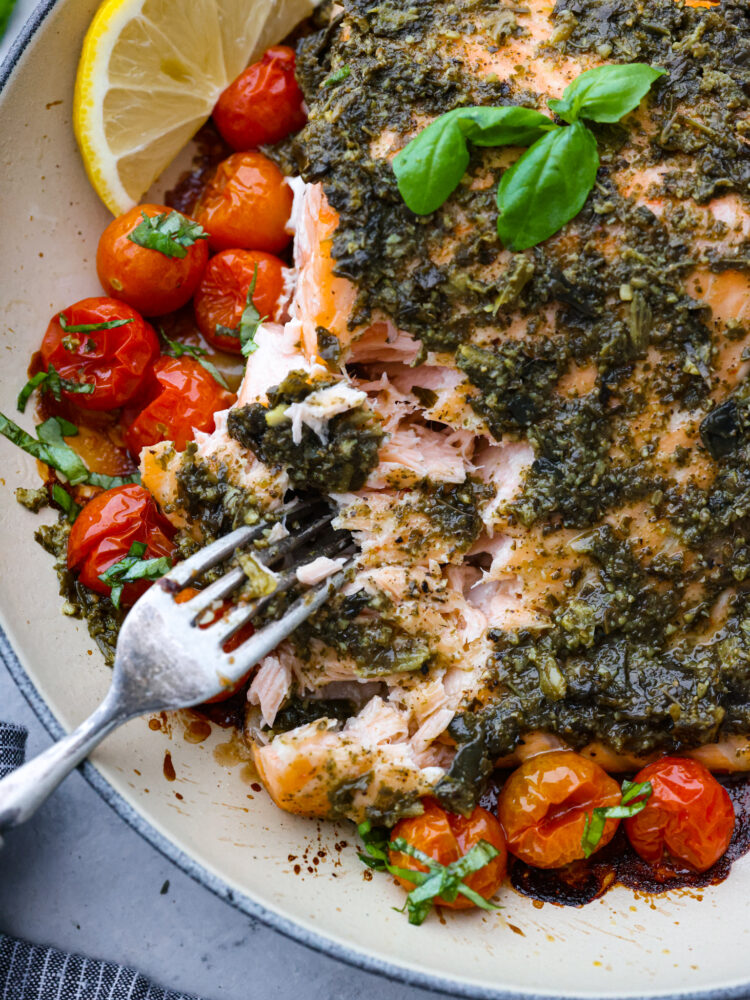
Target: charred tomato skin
<point x="544" y="803"/>
<point x="180" y="398"/>
<point x="221" y="296"/>
<point x="446" y="837"/>
<point x="246" y="205"/>
<point x="148" y="280"/>
<point x="105" y="530"/>
<point x="115" y="361"/>
<point x="689" y="817"/>
<point x="264" y="104"/>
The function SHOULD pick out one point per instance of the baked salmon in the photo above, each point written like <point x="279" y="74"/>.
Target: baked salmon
<point x="551" y="487"/>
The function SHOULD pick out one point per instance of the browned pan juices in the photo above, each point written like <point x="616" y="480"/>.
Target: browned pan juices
<point x="618" y="864"/>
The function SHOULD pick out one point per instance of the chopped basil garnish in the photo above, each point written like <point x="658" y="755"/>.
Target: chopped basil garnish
<point x="111" y="324"/>
<point x="176" y="349"/>
<point x="249" y="323"/>
<point x="170" y="233"/>
<point x="338" y="76"/>
<point x="594" y="825"/>
<point x="134" y="567"/>
<point x="52" y="449"/>
<point x="54" y="383"/>
<point x="549" y="183"/>
<point x="66" y="502"/>
<point x="446" y="881"/>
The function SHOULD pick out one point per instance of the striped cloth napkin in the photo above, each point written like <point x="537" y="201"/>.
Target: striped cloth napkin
<point x="31" y="972"/>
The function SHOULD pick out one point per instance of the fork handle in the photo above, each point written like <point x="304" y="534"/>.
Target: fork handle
<point x="23" y="791"/>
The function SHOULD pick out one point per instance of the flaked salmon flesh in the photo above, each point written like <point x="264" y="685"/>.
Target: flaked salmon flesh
<point x="469" y="599"/>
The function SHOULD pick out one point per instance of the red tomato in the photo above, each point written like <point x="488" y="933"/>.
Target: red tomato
<point x="180" y="399"/>
<point x="148" y="280"/>
<point x="246" y="205"/>
<point x="264" y="104"/>
<point x="229" y="646"/>
<point x="446" y="837"/>
<point x="544" y="803"/>
<point x="105" y="530"/>
<point x="689" y="816"/>
<point x="222" y="294"/>
<point x="115" y="361"/>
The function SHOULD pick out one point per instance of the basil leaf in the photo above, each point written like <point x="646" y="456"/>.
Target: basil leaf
<point x="133" y="567"/>
<point x="593" y="827"/>
<point x="59" y="454"/>
<point x="111" y="324"/>
<point x="249" y="322"/>
<point x="6" y="9"/>
<point x="546" y="187"/>
<point x="52" y="449"/>
<point x="176" y="349"/>
<point x="606" y="93"/>
<point x="170" y="233"/>
<point x="430" y="167"/>
<point x="338" y="76"/>
<point x="66" y="502"/>
<point x="55" y="383"/>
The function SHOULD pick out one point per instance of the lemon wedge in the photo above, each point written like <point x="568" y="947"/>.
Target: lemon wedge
<point x="149" y="76"/>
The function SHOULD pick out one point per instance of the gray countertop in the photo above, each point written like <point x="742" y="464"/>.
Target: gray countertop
<point x="79" y="878"/>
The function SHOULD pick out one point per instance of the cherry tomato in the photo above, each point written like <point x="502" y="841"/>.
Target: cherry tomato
<point x="246" y="205"/>
<point x="222" y="293"/>
<point x="544" y="803"/>
<point x="264" y="104"/>
<point x="150" y="281"/>
<point x="115" y="361"/>
<point x="180" y="399"/>
<point x="689" y="816"/>
<point x="446" y="837"/>
<point x="229" y="646"/>
<point x="105" y="530"/>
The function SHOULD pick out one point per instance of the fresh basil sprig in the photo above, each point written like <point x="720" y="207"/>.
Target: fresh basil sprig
<point x="549" y="183"/>
<point x="429" y="169"/>
<point x="170" y="233"/>
<point x="446" y="881"/>
<point x="6" y="9"/>
<point x="111" y="324"/>
<point x="134" y="567"/>
<point x="249" y="322"/>
<point x="52" y="449"/>
<point x="176" y="349"/>
<point x="594" y="825"/>
<point x="53" y="382"/>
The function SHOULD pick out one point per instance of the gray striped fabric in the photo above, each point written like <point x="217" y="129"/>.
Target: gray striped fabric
<point x="29" y="972"/>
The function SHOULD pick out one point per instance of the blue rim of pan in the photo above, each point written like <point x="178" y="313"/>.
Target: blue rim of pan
<point x="283" y="925"/>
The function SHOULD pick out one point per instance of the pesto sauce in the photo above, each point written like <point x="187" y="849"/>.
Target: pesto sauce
<point x="339" y="464"/>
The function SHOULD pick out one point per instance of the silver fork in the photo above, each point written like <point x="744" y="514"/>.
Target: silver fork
<point x="165" y="660"/>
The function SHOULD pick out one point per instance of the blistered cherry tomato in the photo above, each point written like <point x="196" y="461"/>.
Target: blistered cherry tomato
<point x="264" y="104"/>
<point x="689" y="815"/>
<point x="544" y="803"/>
<point x="446" y="837"/>
<point x="246" y="205"/>
<point x="181" y="398"/>
<point x="105" y="530"/>
<point x="234" y="642"/>
<point x="114" y="360"/>
<point x="150" y="281"/>
<point x="221" y="296"/>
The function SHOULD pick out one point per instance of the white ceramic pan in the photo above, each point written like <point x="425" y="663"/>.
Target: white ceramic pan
<point x="210" y="820"/>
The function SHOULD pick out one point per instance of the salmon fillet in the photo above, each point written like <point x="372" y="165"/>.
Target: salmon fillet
<point x="553" y="536"/>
